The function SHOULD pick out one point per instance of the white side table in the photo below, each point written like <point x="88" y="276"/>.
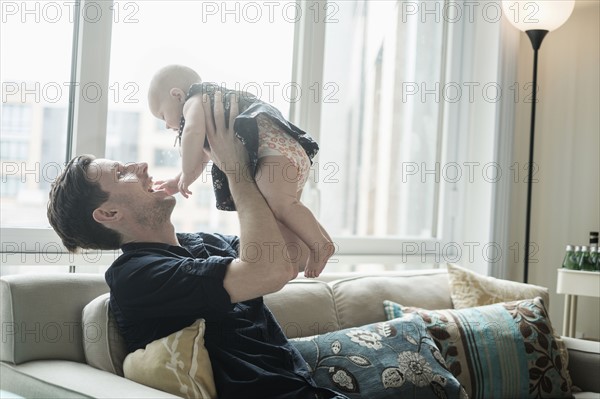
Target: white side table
<point x="574" y="283"/>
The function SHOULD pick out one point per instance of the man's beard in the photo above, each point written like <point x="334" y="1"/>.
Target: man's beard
<point x="155" y="216"/>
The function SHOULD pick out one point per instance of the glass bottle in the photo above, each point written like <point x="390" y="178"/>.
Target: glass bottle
<point x="576" y="257"/>
<point x="585" y="262"/>
<point x="594" y="254"/>
<point x="596" y="260"/>
<point x="569" y="262"/>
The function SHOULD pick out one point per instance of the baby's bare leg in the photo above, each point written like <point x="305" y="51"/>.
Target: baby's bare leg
<point x="277" y="180"/>
<point x="297" y="251"/>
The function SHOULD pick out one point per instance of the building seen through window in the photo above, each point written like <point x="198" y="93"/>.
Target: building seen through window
<point x="370" y="131"/>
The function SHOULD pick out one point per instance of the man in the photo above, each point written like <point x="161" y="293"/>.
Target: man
<point x="164" y="281"/>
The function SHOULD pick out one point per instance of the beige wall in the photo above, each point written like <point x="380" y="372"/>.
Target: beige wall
<point x="566" y="199"/>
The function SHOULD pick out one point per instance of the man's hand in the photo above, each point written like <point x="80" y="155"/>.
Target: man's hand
<point x="228" y="152"/>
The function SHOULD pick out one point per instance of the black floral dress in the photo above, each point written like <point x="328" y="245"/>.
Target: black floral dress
<point x="246" y="129"/>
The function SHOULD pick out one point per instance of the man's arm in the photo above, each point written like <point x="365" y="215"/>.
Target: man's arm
<point x="263" y="266"/>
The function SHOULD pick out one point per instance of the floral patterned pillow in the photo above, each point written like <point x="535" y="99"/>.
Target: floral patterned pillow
<point x="505" y="350"/>
<point x="383" y="360"/>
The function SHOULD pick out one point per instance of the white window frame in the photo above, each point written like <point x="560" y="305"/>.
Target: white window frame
<point x="89" y="127"/>
<point x="309" y="44"/>
<point x="91" y="57"/>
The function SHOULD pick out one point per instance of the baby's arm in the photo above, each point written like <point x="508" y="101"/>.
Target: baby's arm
<point x="193" y="156"/>
<point x="170" y="186"/>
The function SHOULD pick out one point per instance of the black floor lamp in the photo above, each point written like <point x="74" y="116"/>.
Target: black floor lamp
<point x="536" y="19"/>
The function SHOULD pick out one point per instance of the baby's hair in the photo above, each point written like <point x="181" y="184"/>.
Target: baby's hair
<point x="172" y="76"/>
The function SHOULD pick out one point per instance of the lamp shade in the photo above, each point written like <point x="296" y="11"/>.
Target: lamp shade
<point x="537" y="15"/>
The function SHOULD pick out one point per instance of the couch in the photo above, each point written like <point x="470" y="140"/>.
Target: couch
<point x="44" y="338"/>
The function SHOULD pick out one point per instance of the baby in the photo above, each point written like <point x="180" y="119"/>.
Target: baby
<point x="280" y="156"/>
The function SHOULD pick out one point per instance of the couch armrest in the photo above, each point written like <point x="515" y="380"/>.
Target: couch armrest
<point x="584" y="363"/>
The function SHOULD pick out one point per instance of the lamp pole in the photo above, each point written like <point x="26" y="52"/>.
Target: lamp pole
<point x="536" y="36"/>
<point x="536" y="19"/>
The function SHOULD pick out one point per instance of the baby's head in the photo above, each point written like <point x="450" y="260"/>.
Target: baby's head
<point x="168" y="91"/>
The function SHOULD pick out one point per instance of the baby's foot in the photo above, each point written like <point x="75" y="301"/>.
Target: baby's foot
<point x="318" y="259"/>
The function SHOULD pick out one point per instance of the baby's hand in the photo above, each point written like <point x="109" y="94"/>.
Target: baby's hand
<point x="170" y="186"/>
<point x="184" y="184"/>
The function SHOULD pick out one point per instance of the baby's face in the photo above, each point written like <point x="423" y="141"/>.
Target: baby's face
<point x="168" y="109"/>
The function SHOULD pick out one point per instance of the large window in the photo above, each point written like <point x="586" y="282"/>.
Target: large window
<point x="380" y="130"/>
<point x="375" y="137"/>
<point x="36" y="41"/>
<point x="230" y="43"/>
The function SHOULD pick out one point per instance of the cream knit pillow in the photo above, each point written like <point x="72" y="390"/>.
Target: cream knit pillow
<point x="469" y="289"/>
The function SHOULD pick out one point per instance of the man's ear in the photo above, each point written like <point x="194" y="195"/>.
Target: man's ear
<point x="105" y="216"/>
<point x="178" y="94"/>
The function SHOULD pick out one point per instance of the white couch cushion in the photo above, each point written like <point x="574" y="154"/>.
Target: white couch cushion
<point x="65" y="379"/>
<point x="304" y="308"/>
<point x="103" y="345"/>
<point x="41" y="315"/>
<point x="358" y="300"/>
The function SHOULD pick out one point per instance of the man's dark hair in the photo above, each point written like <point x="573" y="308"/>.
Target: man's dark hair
<point x="73" y="198"/>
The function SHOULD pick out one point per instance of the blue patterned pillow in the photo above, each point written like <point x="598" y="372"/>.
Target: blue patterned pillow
<point x="383" y="360"/>
<point x="505" y="350"/>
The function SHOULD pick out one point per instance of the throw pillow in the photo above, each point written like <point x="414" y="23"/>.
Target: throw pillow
<point x="382" y="360"/>
<point x="469" y="289"/>
<point x="177" y="364"/>
<point x="103" y="345"/>
<point x="506" y="350"/>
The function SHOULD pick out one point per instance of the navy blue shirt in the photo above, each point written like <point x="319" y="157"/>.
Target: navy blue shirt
<point x="157" y="289"/>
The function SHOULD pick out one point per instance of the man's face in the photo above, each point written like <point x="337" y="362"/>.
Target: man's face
<point x="131" y="196"/>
